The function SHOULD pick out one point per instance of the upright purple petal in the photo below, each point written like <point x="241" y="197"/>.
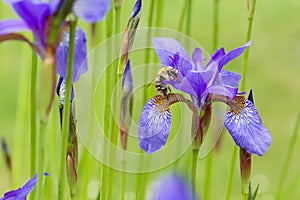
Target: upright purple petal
<point x="247" y="130"/>
<point x="80" y="62"/>
<point x="12" y="26"/>
<point x="91" y="10"/>
<point x="167" y="48"/>
<point x="174" y="187"/>
<point x="233" y="54"/>
<point x="198" y="59"/>
<point x="154" y="126"/>
<point x="34" y="14"/>
<point x="215" y="58"/>
<point x="137" y="8"/>
<point x="22" y="193"/>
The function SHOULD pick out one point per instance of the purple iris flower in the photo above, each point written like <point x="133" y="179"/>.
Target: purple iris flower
<point x="34" y="16"/>
<point x="173" y="187"/>
<point x="22" y="192"/>
<point x="194" y="79"/>
<point x="246" y="128"/>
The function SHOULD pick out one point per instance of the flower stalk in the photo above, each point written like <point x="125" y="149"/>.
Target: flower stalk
<point x="67" y="108"/>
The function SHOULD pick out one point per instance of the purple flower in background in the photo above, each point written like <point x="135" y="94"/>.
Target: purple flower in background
<point x="35" y="16"/>
<point x="194" y="78"/>
<point x="173" y="187"/>
<point x="22" y="192"/>
<point x="245" y="126"/>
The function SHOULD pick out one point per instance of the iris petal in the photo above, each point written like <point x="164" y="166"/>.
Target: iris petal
<point x="80" y="62"/>
<point x="22" y="193"/>
<point x="198" y="59"/>
<point x="34" y="14"/>
<point x="229" y="78"/>
<point x="247" y="130"/>
<point x="127" y="84"/>
<point x="225" y="90"/>
<point x="175" y="188"/>
<point x="91" y="10"/>
<point x="167" y="48"/>
<point x="154" y="126"/>
<point x="12" y="26"/>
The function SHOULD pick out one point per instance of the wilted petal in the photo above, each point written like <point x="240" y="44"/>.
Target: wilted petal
<point x="247" y="130"/>
<point x="91" y="10"/>
<point x="137" y="8"/>
<point x="154" y="126"/>
<point x="22" y="193"/>
<point x="229" y="78"/>
<point x="12" y="26"/>
<point x="80" y="62"/>
<point x="35" y="14"/>
<point x="173" y="187"/>
<point x="127" y="84"/>
<point x="198" y="59"/>
<point x="167" y="48"/>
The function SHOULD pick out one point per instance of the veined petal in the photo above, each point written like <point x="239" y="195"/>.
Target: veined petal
<point x="229" y="78"/>
<point x="233" y="54"/>
<point x="167" y="48"/>
<point x="12" y="26"/>
<point x="80" y="62"/>
<point x="198" y="59"/>
<point x="22" y="193"/>
<point x="154" y="126"/>
<point x="247" y="130"/>
<point x="35" y="14"/>
<point x="91" y="10"/>
<point x="174" y="187"/>
<point x="136" y="9"/>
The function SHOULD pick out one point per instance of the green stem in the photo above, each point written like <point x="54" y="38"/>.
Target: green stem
<point x="182" y="16"/>
<point x="287" y="159"/>
<point x="148" y="52"/>
<point x="107" y="115"/>
<point x="33" y="87"/>
<point x="209" y="159"/>
<point x="66" y="111"/>
<point x="189" y="18"/>
<point x="216" y="25"/>
<point x="248" y="37"/>
<point x="231" y="172"/>
<point x="194" y="168"/>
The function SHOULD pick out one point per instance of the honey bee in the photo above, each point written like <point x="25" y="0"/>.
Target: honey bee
<point x="165" y="74"/>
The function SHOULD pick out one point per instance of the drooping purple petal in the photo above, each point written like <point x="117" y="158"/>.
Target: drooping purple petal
<point x="12" y="26"/>
<point x="91" y="10"/>
<point x="22" y="192"/>
<point x="154" y="126"/>
<point x="233" y="54"/>
<point x="247" y="130"/>
<point x="173" y="187"/>
<point x="229" y="78"/>
<point x="80" y="62"/>
<point x="198" y="59"/>
<point x="127" y="84"/>
<point x="137" y="8"/>
<point x="167" y="48"/>
<point x="34" y="14"/>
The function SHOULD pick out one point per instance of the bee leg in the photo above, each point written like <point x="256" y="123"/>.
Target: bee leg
<point x="169" y="88"/>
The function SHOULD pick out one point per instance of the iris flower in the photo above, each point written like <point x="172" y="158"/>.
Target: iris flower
<point x="36" y="17"/>
<point x="173" y="187"/>
<point x="205" y="85"/>
<point x="22" y="192"/>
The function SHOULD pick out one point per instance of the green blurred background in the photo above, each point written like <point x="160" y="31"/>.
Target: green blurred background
<point x="273" y="74"/>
